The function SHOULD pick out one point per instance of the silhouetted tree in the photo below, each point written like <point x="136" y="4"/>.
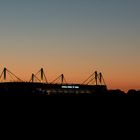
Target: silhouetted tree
<point x="133" y="92"/>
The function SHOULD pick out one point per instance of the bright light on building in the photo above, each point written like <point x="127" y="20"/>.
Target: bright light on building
<point x="71" y="87"/>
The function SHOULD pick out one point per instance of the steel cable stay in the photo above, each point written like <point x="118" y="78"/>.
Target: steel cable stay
<point x="40" y="74"/>
<point x="34" y="78"/>
<point x="61" y="79"/>
<point x="6" y="72"/>
<point x="95" y="78"/>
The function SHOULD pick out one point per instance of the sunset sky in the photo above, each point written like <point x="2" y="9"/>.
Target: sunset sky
<point x="74" y="37"/>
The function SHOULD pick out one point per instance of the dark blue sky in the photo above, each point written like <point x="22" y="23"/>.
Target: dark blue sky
<point x="104" y="34"/>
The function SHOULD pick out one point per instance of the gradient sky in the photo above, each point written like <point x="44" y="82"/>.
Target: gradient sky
<point x="74" y="37"/>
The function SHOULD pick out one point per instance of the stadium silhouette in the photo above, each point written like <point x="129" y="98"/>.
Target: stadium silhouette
<point x="38" y="85"/>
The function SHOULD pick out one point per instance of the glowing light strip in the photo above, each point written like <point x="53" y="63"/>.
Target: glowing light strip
<point x="71" y="87"/>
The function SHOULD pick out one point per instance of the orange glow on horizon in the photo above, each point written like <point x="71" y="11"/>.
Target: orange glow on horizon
<point x="79" y="77"/>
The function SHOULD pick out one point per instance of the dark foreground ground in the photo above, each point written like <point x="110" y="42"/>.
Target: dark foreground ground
<point x="39" y="89"/>
<point x="109" y="93"/>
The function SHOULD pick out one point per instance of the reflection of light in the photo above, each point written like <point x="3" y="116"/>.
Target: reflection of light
<point x="70" y="87"/>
